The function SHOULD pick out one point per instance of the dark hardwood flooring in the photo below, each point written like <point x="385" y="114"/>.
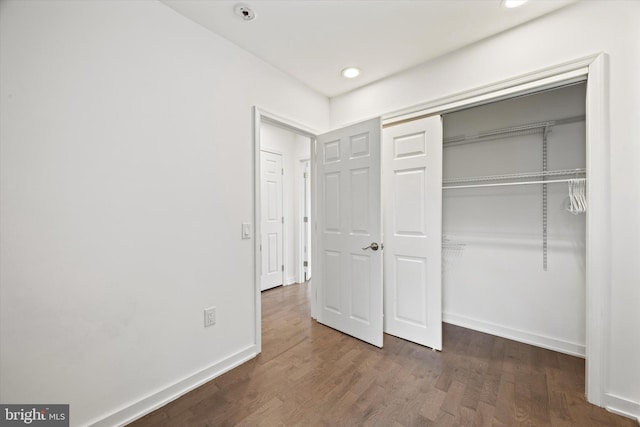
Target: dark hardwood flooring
<point x="311" y="375"/>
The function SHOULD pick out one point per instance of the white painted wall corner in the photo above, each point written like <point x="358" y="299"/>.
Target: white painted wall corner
<point x="526" y="337"/>
<point x="144" y="406"/>
<point x="626" y="408"/>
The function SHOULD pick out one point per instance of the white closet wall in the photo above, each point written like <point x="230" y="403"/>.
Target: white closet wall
<point x="493" y="276"/>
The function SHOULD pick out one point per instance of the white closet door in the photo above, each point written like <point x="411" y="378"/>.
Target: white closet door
<point x="412" y="194"/>
<point x="272" y="221"/>
<point x="349" y="274"/>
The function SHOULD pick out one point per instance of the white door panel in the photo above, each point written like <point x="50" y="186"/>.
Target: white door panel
<point x="349" y="277"/>
<point x="412" y="193"/>
<point x="271" y="213"/>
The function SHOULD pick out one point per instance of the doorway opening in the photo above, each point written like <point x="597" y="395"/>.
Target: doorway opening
<point x="513" y="248"/>
<point x="592" y="69"/>
<point x="283" y="205"/>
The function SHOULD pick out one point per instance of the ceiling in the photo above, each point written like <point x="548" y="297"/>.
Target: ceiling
<point x="313" y="40"/>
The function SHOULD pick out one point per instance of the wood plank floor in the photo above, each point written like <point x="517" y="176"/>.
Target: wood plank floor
<point x="311" y="375"/>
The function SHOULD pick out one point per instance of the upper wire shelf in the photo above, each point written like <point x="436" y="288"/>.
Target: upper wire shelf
<point x="528" y="129"/>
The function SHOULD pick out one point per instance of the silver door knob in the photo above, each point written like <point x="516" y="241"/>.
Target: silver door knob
<point x="373" y="247"/>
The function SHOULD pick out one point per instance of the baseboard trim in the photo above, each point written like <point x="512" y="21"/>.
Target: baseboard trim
<point x="160" y="398"/>
<point x="621" y="406"/>
<point x="554" y="344"/>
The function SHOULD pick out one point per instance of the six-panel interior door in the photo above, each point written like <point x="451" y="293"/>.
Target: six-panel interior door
<point x="272" y="221"/>
<point x="349" y="274"/>
<point x="412" y="194"/>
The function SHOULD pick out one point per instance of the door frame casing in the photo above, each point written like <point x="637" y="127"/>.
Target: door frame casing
<point x="595" y="70"/>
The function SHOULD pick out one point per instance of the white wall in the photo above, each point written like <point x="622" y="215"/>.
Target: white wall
<point x="126" y="171"/>
<point x="293" y="147"/>
<point x="578" y="31"/>
<point x="493" y="275"/>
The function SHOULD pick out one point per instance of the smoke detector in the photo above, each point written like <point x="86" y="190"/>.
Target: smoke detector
<point x="245" y="12"/>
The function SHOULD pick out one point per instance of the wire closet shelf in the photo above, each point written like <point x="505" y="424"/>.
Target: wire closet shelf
<point x="528" y="129"/>
<point x="525" y="178"/>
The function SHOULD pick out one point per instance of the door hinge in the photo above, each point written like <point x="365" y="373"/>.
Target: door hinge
<point x="305" y="175"/>
<point x="283" y="268"/>
<point x="283" y="220"/>
<point x="305" y="263"/>
<point x="282" y="171"/>
<point x="305" y="219"/>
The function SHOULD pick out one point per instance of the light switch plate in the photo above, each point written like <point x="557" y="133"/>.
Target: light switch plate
<point x="246" y="230"/>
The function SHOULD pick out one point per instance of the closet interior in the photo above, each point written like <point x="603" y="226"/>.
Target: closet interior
<point x="514" y="184"/>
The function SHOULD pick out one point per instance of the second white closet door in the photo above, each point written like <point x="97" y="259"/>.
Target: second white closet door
<point x="412" y="224"/>
<point x="272" y="220"/>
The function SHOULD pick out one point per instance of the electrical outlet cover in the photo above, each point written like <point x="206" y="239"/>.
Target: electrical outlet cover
<point x="209" y="316"/>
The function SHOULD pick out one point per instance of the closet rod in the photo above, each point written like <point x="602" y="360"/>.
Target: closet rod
<point x="523" y="175"/>
<point x="528" y="129"/>
<point x="504" y="184"/>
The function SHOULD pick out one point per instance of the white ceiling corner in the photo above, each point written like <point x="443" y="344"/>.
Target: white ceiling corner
<point x="313" y="40"/>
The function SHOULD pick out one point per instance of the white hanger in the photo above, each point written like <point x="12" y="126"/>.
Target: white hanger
<point x="577" y="196"/>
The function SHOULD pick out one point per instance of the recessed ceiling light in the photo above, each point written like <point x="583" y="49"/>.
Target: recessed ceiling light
<point x="351" y="72"/>
<point x="510" y="4"/>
